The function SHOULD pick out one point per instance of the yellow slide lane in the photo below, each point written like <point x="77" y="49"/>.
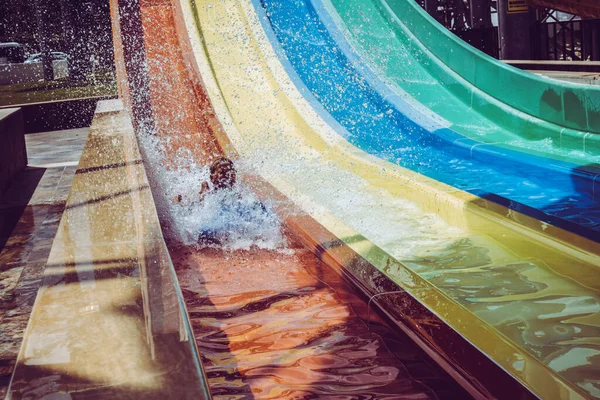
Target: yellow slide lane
<point x="466" y="263"/>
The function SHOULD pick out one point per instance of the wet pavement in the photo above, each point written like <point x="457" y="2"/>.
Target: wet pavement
<point x="281" y="325"/>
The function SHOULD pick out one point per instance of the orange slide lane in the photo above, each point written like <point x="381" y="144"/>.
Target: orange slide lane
<point x="268" y="324"/>
<point x="276" y="326"/>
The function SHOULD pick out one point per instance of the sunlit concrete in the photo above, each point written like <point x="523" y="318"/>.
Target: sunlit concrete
<point x="108" y="319"/>
<point x="29" y="216"/>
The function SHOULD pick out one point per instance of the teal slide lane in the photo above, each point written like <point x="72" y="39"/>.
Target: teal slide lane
<point x="470" y="92"/>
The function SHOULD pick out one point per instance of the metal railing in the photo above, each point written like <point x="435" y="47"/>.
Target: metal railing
<point x="572" y="40"/>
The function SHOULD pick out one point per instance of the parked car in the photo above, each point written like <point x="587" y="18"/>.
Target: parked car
<point x="54" y="56"/>
<point x="11" y="52"/>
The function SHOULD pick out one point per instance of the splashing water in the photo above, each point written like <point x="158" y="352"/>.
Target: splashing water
<point x="231" y="219"/>
<point x="228" y="218"/>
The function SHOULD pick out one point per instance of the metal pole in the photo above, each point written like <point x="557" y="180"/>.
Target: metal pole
<point x="595" y="42"/>
<point x="431" y="7"/>
<point x="481" y="14"/>
<point x="514" y="20"/>
<point x="555" y="41"/>
<point x="3" y="21"/>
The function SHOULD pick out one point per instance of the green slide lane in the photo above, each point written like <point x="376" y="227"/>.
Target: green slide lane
<point x="467" y="90"/>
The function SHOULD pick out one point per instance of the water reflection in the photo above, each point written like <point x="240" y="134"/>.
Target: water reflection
<point x="553" y="317"/>
<point x="268" y="326"/>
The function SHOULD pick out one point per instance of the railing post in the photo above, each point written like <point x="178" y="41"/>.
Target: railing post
<point x="481" y="16"/>
<point x="595" y="53"/>
<point x="514" y="20"/>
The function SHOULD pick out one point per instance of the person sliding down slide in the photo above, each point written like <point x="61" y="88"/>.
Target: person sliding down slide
<point x="236" y="213"/>
<point x="222" y="176"/>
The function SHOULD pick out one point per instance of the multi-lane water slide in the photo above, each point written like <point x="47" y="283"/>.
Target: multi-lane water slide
<point x="519" y="283"/>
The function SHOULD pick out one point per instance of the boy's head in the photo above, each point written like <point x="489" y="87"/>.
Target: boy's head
<point x="222" y="173"/>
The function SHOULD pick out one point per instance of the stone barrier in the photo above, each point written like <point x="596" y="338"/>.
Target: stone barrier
<point x="13" y="154"/>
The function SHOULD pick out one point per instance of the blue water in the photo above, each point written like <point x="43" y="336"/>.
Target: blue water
<point x="551" y="191"/>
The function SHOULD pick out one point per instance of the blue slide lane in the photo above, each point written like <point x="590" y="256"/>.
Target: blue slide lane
<point x="372" y="117"/>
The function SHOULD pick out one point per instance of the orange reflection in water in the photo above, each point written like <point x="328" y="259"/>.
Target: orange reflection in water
<point x="269" y="327"/>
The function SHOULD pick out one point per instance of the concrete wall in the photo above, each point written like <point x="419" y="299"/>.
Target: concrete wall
<point x="13" y="153"/>
<point x="31" y="72"/>
<point x="21" y="73"/>
<point x="58" y="115"/>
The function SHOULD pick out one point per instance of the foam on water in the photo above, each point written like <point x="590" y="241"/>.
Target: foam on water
<point x="393" y="223"/>
<point x="232" y="219"/>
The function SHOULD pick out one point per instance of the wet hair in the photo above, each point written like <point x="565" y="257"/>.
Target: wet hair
<point x="222" y="173"/>
<point x="220" y="163"/>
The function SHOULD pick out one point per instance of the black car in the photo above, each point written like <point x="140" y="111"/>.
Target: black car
<point x="12" y="52"/>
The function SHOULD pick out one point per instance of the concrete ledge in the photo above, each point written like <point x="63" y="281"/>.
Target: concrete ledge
<point x="11" y="74"/>
<point x="109" y="319"/>
<point x="58" y="115"/>
<point x="13" y="153"/>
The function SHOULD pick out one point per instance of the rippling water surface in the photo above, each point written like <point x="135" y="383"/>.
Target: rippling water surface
<point x="269" y="327"/>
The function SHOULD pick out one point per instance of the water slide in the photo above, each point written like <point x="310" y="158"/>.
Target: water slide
<point x="442" y="111"/>
<point x="477" y="96"/>
<point x="460" y="204"/>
